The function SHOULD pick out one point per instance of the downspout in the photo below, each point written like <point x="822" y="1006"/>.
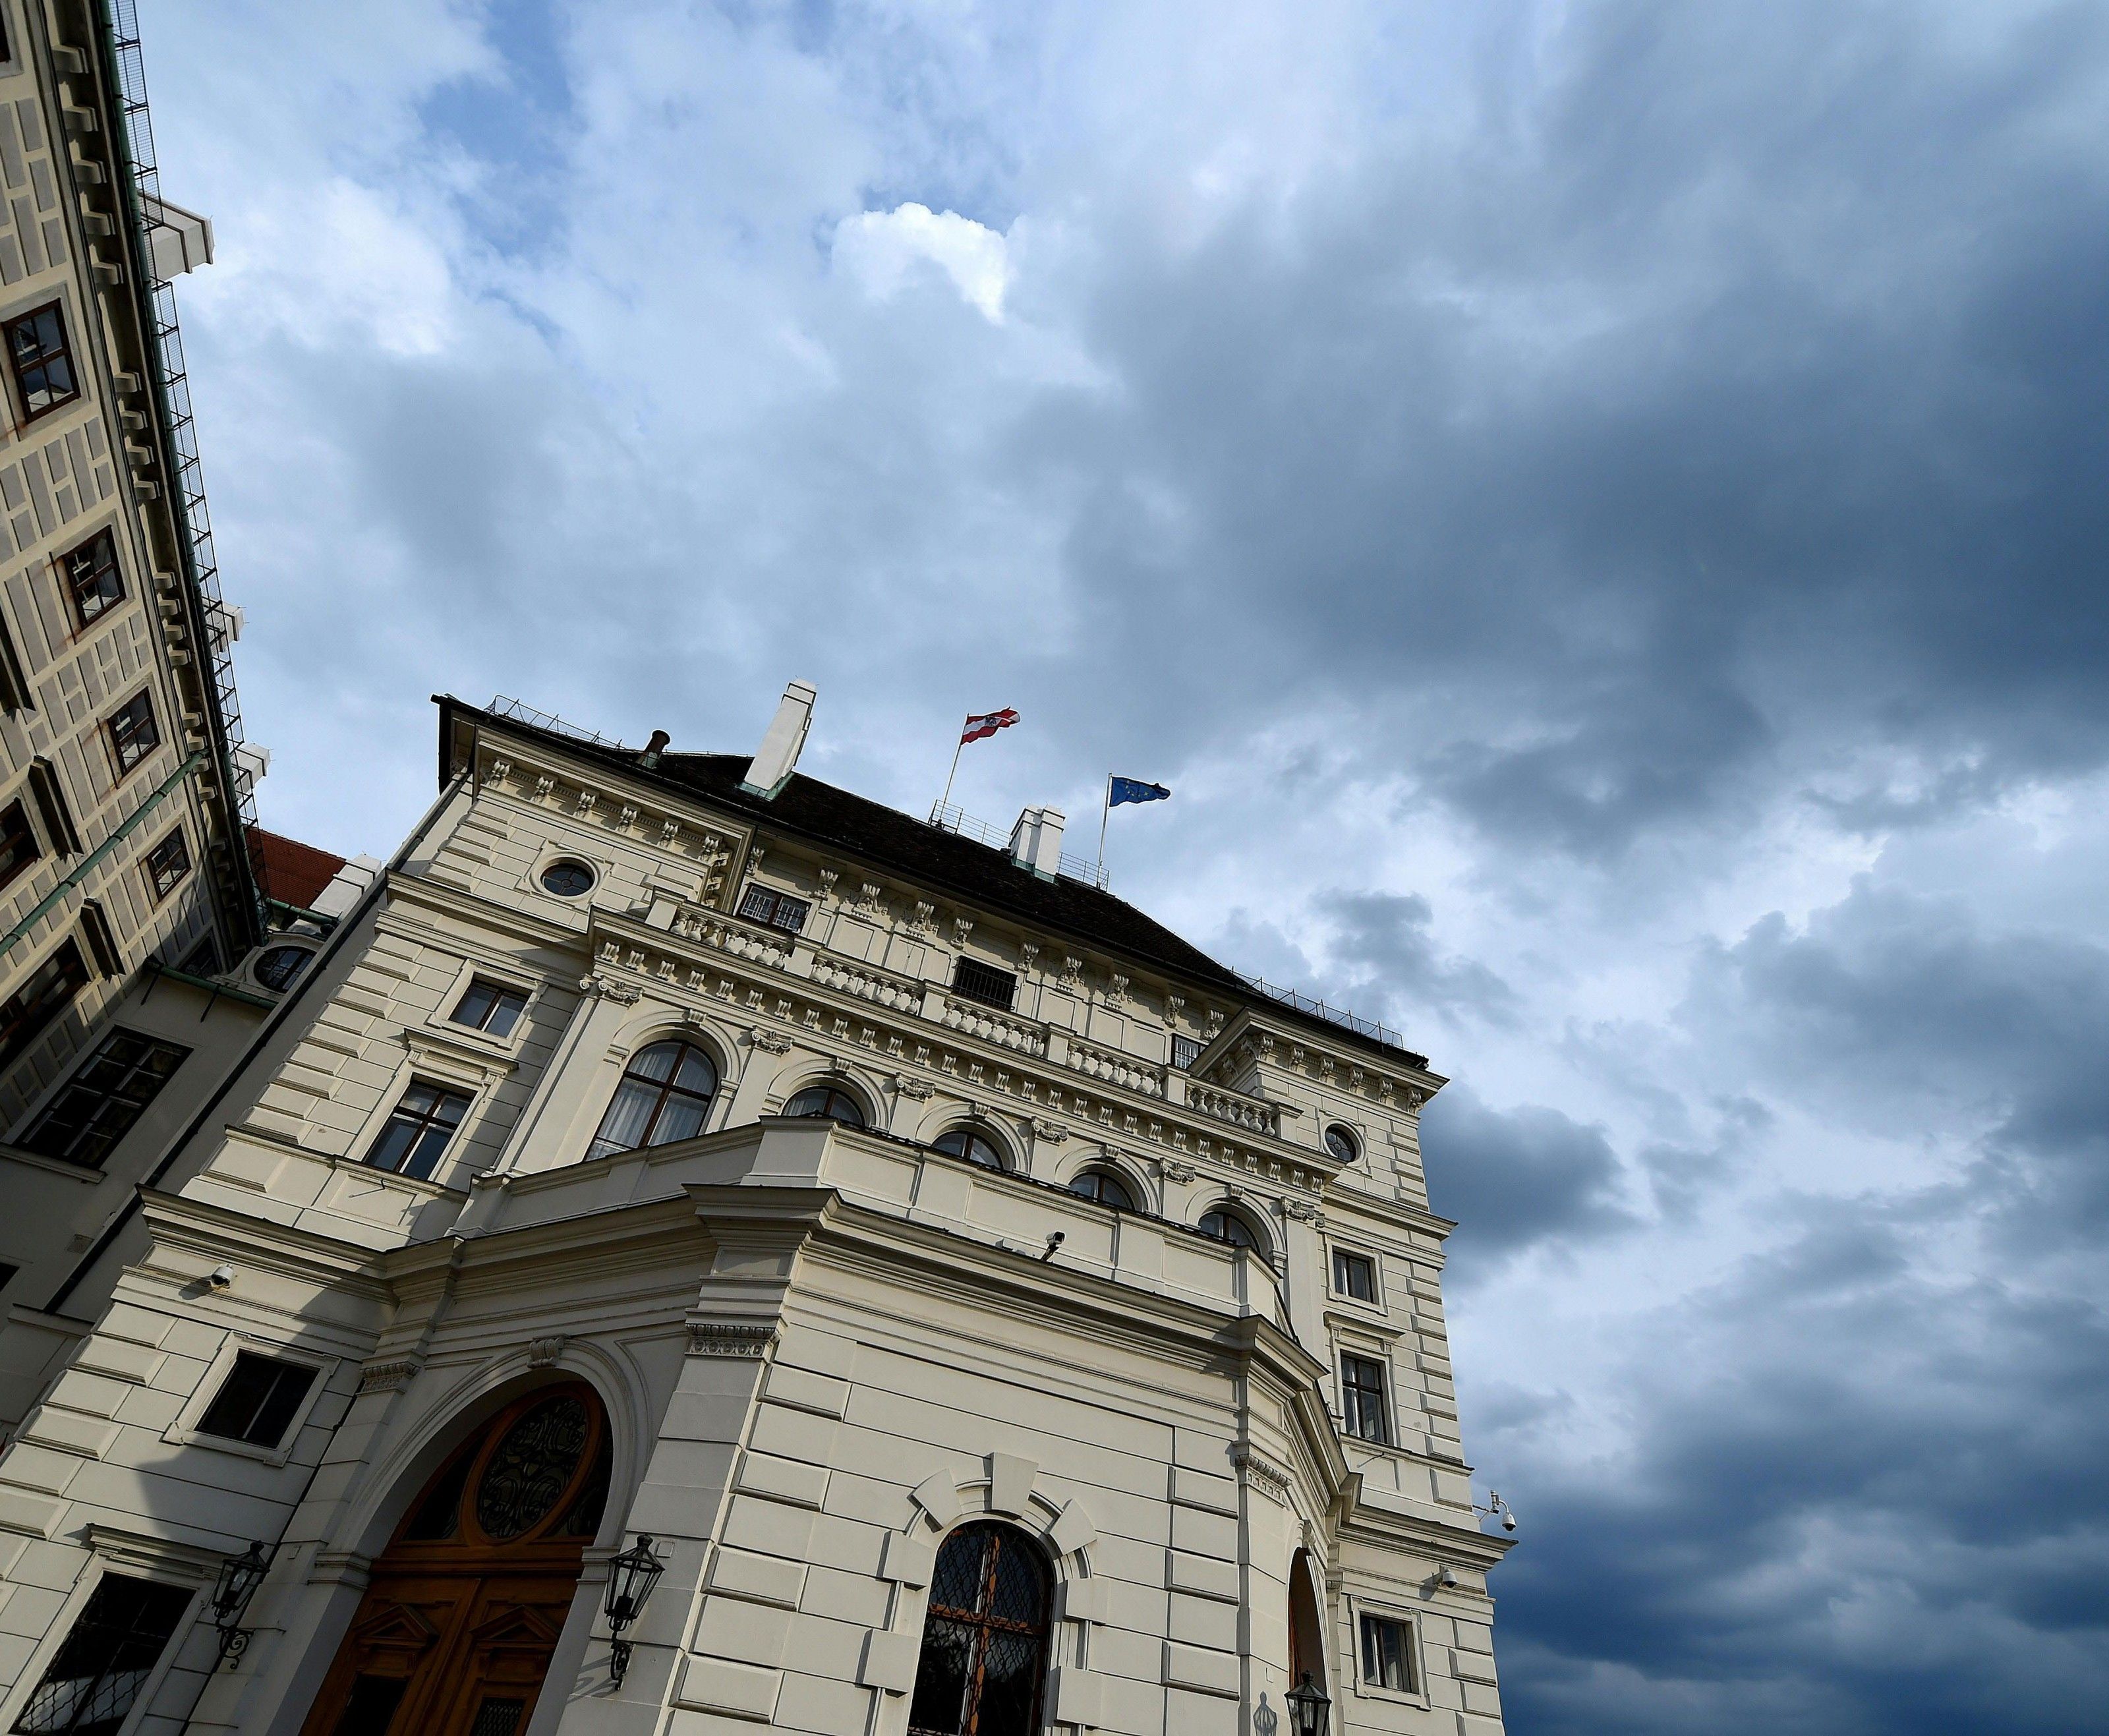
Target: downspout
<point x="264" y="1032"/>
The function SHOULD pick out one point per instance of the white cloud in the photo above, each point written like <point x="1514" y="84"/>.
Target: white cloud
<point x="881" y="249"/>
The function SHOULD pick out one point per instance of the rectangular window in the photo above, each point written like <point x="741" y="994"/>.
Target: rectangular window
<point x="1184" y="1052"/>
<point x="1387" y="1654"/>
<point x="18" y="842"/>
<point x="93" y="578"/>
<point x="984" y="983"/>
<point x="490" y="1007"/>
<point x="257" y="1400"/>
<point x="105" y="1096"/>
<point x="26" y="1014"/>
<point x="776" y="910"/>
<point x="43" y="365"/>
<point x="167" y="863"/>
<point x="1362" y="1399"/>
<point x="416" y="1134"/>
<point x="203" y="958"/>
<point x="103" y="1663"/>
<point x="1354" y="1275"/>
<point x="133" y="733"/>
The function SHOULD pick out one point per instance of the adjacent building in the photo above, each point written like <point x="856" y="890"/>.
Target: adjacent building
<point x="697" y="1250"/>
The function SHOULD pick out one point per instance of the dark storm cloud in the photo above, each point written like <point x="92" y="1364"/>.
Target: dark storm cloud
<point x="1389" y="935"/>
<point x="1515" y="1177"/>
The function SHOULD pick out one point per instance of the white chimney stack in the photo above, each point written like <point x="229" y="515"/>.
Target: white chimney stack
<point x="778" y="755"/>
<point x="1035" y="841"/>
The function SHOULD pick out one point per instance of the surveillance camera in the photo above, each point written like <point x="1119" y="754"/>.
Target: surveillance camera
<point x="220" y="1277"/>
<point x="1449" y="1580"/>
<point x="1054" y="1240"/>
<point x="1508" y="1519"/>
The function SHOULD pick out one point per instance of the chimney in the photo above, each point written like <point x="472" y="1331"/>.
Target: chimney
<point x="1035" y="841"/>
<point x="773" y="761"/>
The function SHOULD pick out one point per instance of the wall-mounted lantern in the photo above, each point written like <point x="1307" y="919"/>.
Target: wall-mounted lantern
<point x="631" y="1577"/>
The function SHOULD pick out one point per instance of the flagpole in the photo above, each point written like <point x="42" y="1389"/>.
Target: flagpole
<point x="1105" y="807"/>
<point x="945" y="801"/>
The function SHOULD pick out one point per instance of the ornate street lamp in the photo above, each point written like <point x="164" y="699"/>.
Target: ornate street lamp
<point x="239" y="1577"/>
<point x="1308" y="1706"/>
<point x="631" y="1577"/>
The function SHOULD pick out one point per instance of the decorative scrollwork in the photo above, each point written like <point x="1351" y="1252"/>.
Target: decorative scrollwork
<point x="532" y="1468"/>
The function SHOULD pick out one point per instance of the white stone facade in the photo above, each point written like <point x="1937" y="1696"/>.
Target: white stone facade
<point x="820" y="1348"/>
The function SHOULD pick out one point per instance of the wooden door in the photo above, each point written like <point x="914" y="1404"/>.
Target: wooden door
<point x="454" y="1634"/>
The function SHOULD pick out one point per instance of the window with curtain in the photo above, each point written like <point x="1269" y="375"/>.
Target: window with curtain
<point x="828" y="1100"/>
<point x="666" y="1091"/>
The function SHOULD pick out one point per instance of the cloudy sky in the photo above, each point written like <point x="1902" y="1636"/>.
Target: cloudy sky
<point x="1596" y="508"/>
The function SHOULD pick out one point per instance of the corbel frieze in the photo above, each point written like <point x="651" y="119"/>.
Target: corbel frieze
<point x="736" y="1339"/>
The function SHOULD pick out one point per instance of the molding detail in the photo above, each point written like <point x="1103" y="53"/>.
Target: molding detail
<point x="728" y="1338"/>
<point x="910" y="1087"/>
<point x="542" y="1353"/>
<point x="1255" y="1466"/>
<point x="621" y="993"/>
<point x="392" y="1376"/>
<point x="770" y="1041"/>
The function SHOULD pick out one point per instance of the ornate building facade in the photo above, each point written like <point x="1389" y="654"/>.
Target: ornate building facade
<point x="696" y="1250"/>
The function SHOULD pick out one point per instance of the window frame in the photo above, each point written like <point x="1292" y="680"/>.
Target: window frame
<point x="1387" y="1423"/>
<point x="184" y="1432"/>
<point x="1339" y="1252"/>
<point x="500" y="988"/>
<point x="374" y="1134"/>
<point x="971" y="1130"/>
<point x="56" y="307"/>
<point x="176" y="836"/>
<point x="1382" y="1609"/>
<point x="1043" y="1634"/>
<point x="1139" y="1200"/>
<point x="778" y="903"/>
<point x="1360" y="1145"/>
<point x="557" y="859"/>
<point x="125" y="1557"/>
<point x="17" y="1048"/>
<point x="124" y="768"/>
<point x="830" y="1083"/>
<point x="82" y="1063"/>
<point x="19" y="805"/>
<point x="1229" y="1210"/>
<point x="105" y="539"/>
<point x="255" y="975"/>
<point x="665" y="1088"/>
<point x="1186" y="1051"/>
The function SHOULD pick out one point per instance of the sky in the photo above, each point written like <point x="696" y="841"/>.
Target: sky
<point x="1596" y="509"/>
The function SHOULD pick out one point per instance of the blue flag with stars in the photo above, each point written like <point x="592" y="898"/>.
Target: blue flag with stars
<point x="1132" y="790"/>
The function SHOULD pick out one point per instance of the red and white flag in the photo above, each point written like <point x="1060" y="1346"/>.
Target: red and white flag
<point x="981" y="728"/>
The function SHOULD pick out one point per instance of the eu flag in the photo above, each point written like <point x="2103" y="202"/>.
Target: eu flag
<point x="1131" y="789"/>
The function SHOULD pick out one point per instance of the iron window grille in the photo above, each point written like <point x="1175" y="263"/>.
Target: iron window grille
<point x="26" y="1014"/>
<point x="1364" y="1415"/>
<point x="975" y="981"/>
<point x="774" y="910"/>
<point x="258" y="1399"/>
<point x="1354" y="1276"/>
<point x="38" y="352"/>
<point x="90" y="1684"/>
<point x="105" y="1098"/>
<point x="94" y="580"/>
<point x="167" y="863"/>
<point x="417" y="1132"/>
<point x="134" y="733"/>
<point x="492" y="1008"/>
<point x="18" y="842"/>
<point x="664" y="1094"/>
<point x="984" y="1653"/>
<point x="1387" y="1654"/>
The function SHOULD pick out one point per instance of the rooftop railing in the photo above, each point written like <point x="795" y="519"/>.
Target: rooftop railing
<point x="947" y="818"/>
<point x="521" y="713"/>
<point x="1339" y="1015"/>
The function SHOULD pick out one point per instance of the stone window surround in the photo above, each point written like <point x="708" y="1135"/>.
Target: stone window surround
<point x="183" y="1431"/>
<point x="138" y="1556"/>
<point x="1359" y="1604"/>
<point x="423" y="1059"/>
<point x="1335" y="1296"/>
<point x="507" y="975"/>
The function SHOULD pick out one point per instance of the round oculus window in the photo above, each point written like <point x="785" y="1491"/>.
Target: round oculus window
<point x="1341" y="1143"/>
<point x="566" y="878"/>
<point x="279" y="967"/>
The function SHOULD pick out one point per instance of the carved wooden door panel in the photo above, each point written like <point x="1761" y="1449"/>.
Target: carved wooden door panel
<point x="464" y="1607"/>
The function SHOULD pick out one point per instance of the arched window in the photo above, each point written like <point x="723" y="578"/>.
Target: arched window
<point x="973" y="1144"/>
<point x="1104" y="1187"/>
<point x="1228" y="1225"/>
<point x="828" y="1100"/>
<point x="666" y="1092"/>
<point x="985" y="1639"/>
<point x="277" y="967"/>
<point x="1342" y="1144"/>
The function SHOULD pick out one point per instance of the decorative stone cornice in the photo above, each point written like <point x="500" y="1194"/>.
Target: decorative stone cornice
<point x="621" y="993"/>
<point x="392" y="1376"/>
<point x="1256" y="1467"/>
<point x="542" y="1353"/>
<point x="742" y="1340"/>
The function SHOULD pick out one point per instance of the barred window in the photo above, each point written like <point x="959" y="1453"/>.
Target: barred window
<point x="984" y="983"/>
<point x="984" y="1651"/>
<point x="1186" y="1051"/>
<point x="105" y="1098"/>
<point x="1362" y="1399"/>
<point x="133" y="732"/>
<point x="38" y="352"/>
<point x="94" y="582"/>
<point x="776" y="909"/>
<point x="89" y="1689"/>
<point x="257" y="1400"/>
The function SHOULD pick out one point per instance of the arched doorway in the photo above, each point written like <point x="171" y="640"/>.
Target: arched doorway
<point x="984" y="1637"/>
<point x="454" y="1635"/>
<point x="1307" y="1630"/>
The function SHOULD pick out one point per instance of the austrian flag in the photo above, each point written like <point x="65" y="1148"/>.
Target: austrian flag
<point x="980" y="729"/>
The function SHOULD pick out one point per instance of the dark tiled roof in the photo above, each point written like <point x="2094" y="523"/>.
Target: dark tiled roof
<point x="294" y="873"/>
<point x="891" y="839"/>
